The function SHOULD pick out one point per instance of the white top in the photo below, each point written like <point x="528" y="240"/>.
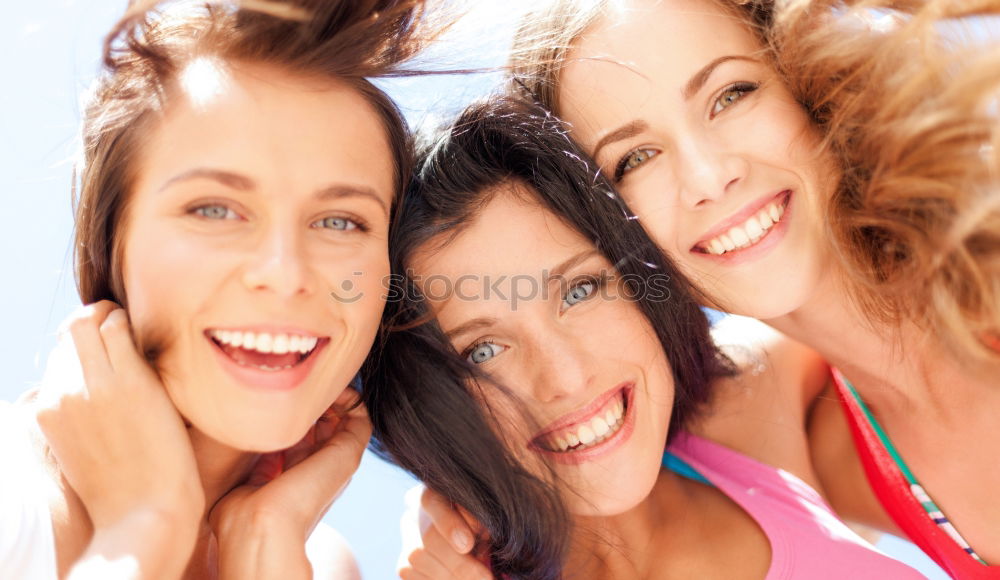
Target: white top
<point x="27" y="545"/>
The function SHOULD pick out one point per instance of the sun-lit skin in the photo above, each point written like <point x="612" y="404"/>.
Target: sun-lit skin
<point x="702" y="156"/>
<point x="256" y="246"/>
<point x="552" y="354"/>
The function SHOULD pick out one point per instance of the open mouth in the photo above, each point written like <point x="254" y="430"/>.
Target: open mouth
<point x="599" y="426"/>
<point x="265" y="351"/>
<point x="749" y="232"/>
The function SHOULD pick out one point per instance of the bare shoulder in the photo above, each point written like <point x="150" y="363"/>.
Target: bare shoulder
<point x="765" y="357"/>
<point x="761" y="412"/>
<point x="330" y="555"/>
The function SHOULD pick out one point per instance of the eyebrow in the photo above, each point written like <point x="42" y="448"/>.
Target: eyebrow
<point x="626" y="131"/>
<point x="471" y="325"/>
<point x="244" y="183"/>
<point x="570" y="263"/>
<point x="698" y="80"/>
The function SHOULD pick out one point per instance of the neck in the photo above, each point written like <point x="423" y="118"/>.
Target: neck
<point x="637" y="542"/>
<point x="220" y="466"/>
<point x="892" y="365"/>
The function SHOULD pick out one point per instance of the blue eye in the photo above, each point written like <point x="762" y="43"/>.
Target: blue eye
<point x="216" y="212"/>
<point x="731" y="95"/>
<point x="337" y="223"/>
<point x="579" y="293"/>
<point x="483" y="352"/>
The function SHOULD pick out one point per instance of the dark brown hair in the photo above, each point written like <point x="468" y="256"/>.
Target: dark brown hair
<point x="421" y="393"/>
<point x="154" y="41"/>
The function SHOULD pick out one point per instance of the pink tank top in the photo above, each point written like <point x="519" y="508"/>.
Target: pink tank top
<point x="807" y="540"/>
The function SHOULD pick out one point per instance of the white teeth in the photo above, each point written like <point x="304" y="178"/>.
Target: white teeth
<point x="739" y="237"/>
<point x="748" y="232"/>
<point x="600" y="426"/>
<point x="266" y="343"/>
<point x="591" y="432"/>
<point x="280" y="345"/>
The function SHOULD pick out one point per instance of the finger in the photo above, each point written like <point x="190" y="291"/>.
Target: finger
<point x="443" y="515"/>
<point x="268" y="467"/>
<point x="116" y="332"/>
<point x="321" y="477"/>
<point x="85" y="334"/>
<point x="456" y="565"/>
<point x="423" y="562"/>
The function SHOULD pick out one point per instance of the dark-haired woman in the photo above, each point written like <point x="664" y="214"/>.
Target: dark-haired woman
<point x="545" y="353"/>
<point x="238" y="168"/>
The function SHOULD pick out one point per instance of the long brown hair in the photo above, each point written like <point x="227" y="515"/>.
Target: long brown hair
<point x="154" y="41"/>
<point x="909" y="113"/>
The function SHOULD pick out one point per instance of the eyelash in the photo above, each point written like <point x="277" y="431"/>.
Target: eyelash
<point x="599" y="282"/>
<point x="201" y="210"/>
<point x="352" y="224"/>
<point x="467" y="353"/>
<point x="622" y="168"/>
<point x="742" y="88"/>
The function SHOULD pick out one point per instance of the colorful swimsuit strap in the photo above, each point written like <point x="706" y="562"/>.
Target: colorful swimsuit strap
<point x="681" y="467"/>
<point x="879" y="469"/>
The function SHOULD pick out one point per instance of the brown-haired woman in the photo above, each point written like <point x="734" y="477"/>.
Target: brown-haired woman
<point x="830" y="168"/>
<point x="235" y="196"/>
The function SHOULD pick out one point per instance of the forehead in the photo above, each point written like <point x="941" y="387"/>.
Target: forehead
<point x="512" y="235"/>
<point x="640" y="43"/>
<point x="265" y="122"/>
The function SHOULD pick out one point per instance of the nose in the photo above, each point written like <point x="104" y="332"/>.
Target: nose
<point x="707" y="170"/>
<point x="279" y="264"/>
<point x="561" y="367"/>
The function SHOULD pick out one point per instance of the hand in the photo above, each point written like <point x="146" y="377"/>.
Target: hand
<point x="262" y="525"/>
<point x="120" y="444"/>
<point x="438" y="540"/>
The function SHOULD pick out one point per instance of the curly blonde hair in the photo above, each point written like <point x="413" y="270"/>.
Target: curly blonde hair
<point x="907" y="97"/>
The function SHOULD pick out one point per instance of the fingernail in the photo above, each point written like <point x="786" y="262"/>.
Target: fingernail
<point x="462" y="540"/>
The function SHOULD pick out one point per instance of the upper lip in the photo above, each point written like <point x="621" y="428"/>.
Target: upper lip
<point x="739" y="217"/>
<point x="582" y="414"/>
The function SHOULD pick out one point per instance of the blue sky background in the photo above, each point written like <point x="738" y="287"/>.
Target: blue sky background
<point x="49" y="52"/>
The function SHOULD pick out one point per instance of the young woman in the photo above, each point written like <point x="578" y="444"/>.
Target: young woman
<point x="545" y="352"/>
<point x="232" y="226"/>
<point x="830" y="170"/>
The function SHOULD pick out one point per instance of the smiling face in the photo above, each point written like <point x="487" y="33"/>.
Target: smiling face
<point x="259" y="194"/>
<point x="601" y="413"/>
<point x="708" y="148"/>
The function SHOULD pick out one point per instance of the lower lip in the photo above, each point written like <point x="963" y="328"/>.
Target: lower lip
<point x="762" y="246"/>
<point x="604" y="447"/>
<point x="279" y="380"/>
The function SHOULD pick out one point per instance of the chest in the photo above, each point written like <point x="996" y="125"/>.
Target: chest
<point x="954" y="461"/>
